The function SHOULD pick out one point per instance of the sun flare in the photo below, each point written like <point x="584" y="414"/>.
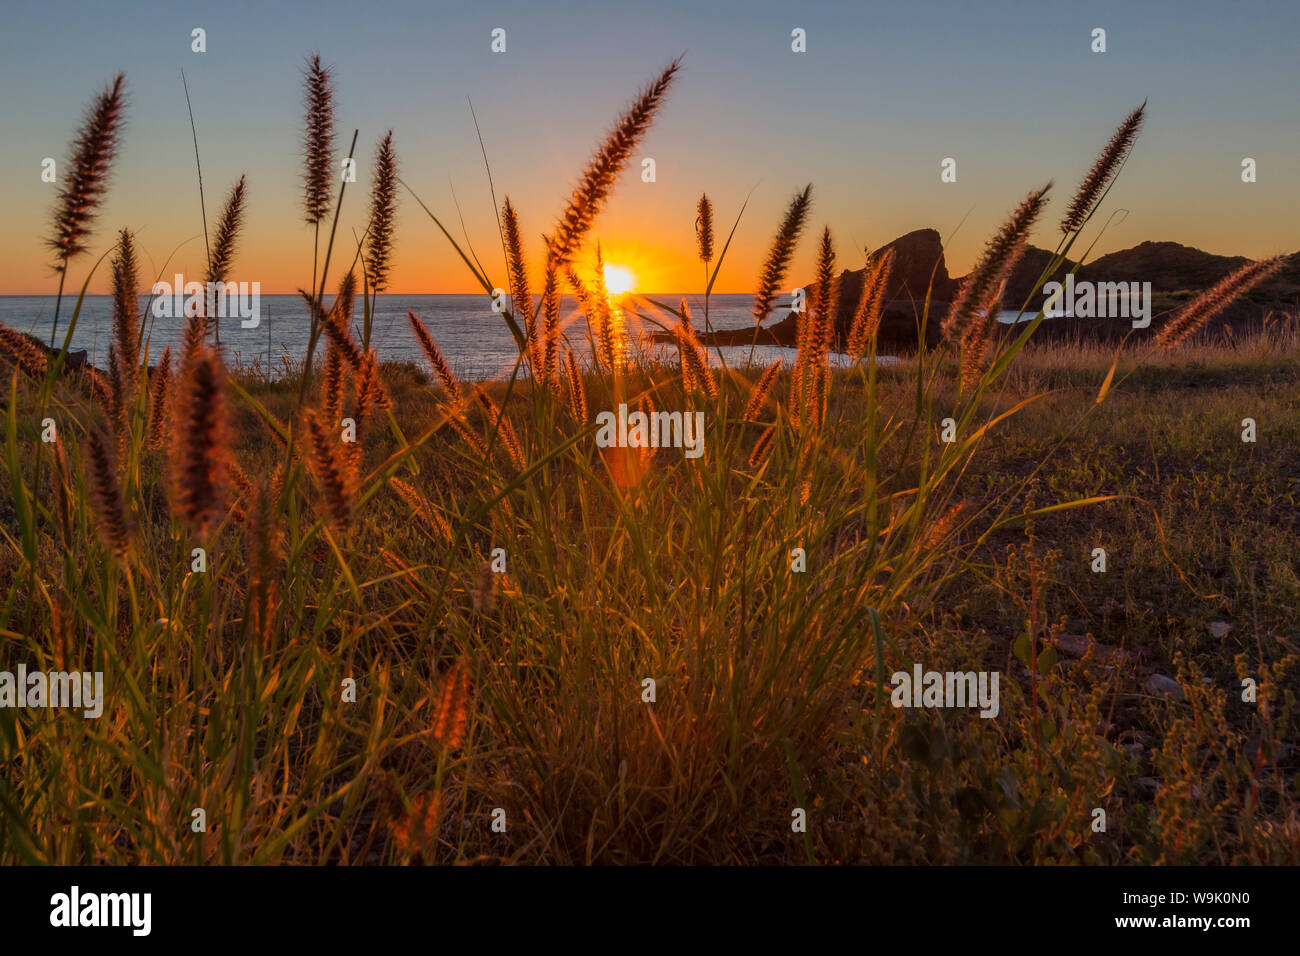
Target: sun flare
<point x="619" y="280"/>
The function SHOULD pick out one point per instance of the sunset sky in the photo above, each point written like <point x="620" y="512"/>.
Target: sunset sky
<point x="884" y="93"/>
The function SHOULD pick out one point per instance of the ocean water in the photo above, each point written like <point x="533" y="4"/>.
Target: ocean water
<point x="475" y="340"/>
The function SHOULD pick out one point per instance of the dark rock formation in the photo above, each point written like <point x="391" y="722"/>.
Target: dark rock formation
<point x="1176" y="272"/>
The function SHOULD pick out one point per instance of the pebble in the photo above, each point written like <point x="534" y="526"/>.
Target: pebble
<point x="1159" y="685"/>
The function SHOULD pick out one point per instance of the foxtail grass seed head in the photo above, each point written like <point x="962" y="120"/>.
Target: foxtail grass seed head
<point x="158" y="400"/>
<point x="1103" y="171"/>
<point x="693" y="356"/>
<point x="551" y="329"/>
<point x="684" y="310"/>
<point x="242" y="488"/>
<point x="200" y="443"/>
<point x="586" y="301"/>
<point x="704" y="228"/>
<point x="86" y="181"/>
<point x="318" y="140"/>
<point x="871" y="304"/>
<point x="803" y="376"/>
<point x="998" y="260"/>
<point x="99" y="388"/>
<point x="117" y="407"/>
<point x="23" y="353"/>
<point x="485" y="594"/>
<point x="598" y="179"/>
<point x="223" y="249"/>
<point x="331" y="384"/>
<point x="1193" y="317"/>
<point x="608" y="332"/>
<point x="506" y="437"/>
<point x="415" y="829"/>
<point x="424" y="510"/>
<point x="383" y="209"/>
<point x="105" y="495"/>
<point x="334" y="470"/>
<point x="338" y="323"/>
<point x="577" y="389"/>
<point x="943" y="525"/>
<point x="451" y="710"/>
<point x="126" y="313"/>
<point x="435" y="356"/>
<point x="979" y="335"/>
<point x="825" y="297"/>
<point x="461" y="427"/>
<point x="762" y="389"/>
<point x="778" y="258"/>
<point x="762" y="447"/>
<point x="520" y="296"/>
<point x="196" y="334"/>
<point x="371" y="391"/>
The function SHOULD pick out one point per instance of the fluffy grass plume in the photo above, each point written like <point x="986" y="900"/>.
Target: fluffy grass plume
<point x="521" y="298"/>
<point x="317" y="140"/>
<point x="762" y="447"/>
<point x="979" y="334"/>
<point x="338" y="322"/>
<point x="704" y="228"/>
<point x="106" y="495"/>
<point x="200" y="442"/>
<point x="577" y="388"/>
<point x="223" y="249"/>
<point x="778" y="257"/>
<point x="609" y="331"/>
<point x="434" y="355"/>
<point x="334" y="469"/>
<point x="826" y="297"/>
<point x="550" y="326"/>
<point x="758" y="395"/>
<point x="499" y="422"/>
<point x="871" y="304"/>
<point x="694" y="358"/>
<point x="598" y="179"/>
<point x="451" y="710"/>
<point x="1103" y="171"/>
<point x="331" y="384"/>
<point x="126" y="313"/>
<point x="995" y="264"/>
<point x="158" y="399"/>
<point x="23" y="353"/>
<point x="85" y="180"/>
<point x="428" y="515"/>
<point x="1193" y="316"/>
<point x="383" y="214"/>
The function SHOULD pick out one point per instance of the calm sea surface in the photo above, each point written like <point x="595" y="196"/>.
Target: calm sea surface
<point x="475" y="339"/>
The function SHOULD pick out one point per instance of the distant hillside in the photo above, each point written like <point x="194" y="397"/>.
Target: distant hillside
<point x="1176" y="273"/>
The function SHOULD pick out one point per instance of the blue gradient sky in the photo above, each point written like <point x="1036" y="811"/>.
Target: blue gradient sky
<point x="885" y="91"/>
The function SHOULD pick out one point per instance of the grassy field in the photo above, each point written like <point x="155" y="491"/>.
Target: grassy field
<point x="373" y="614"/>
<point x="628" y="567"/>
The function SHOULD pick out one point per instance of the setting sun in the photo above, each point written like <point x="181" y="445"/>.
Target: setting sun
<point x="619" y="280"/>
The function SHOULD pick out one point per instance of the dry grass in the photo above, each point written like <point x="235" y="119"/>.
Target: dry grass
<point x="640" y="657"/>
